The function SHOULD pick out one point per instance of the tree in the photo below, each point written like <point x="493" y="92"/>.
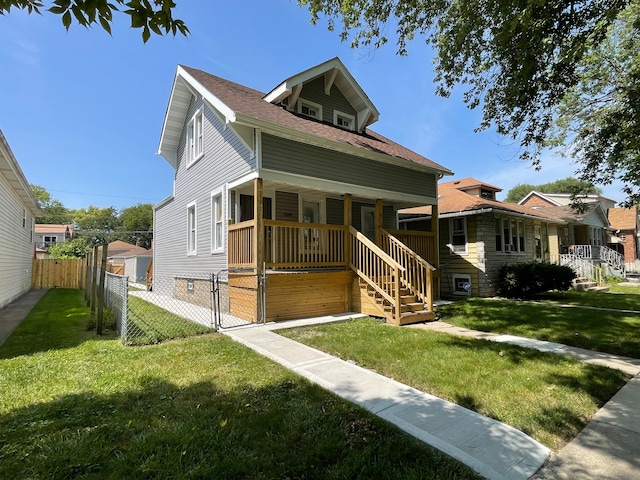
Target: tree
<point x="137" y="224"/>
<point x="517" y="59"/>
<point x="150" y="15"/>
<point x="54" y="211"/>
<point x="572" y="186"/>
<point x="94" y="224"/>
<point x="76" y="248"/>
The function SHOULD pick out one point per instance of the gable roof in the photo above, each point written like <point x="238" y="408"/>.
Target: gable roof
<point x="470" y="183"/>
<point x="334" y="72"/>
<point x="568" y="214"/>
<point x="623" y="218"/>
<point x="10" y="169"/>
<point x="41" y="228"/>
<point x="241" y="107"/>
<point x="542" y="196"/>
<point x="452" y="201"/>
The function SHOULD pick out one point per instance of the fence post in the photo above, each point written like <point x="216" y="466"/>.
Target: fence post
<point x="103" y="273"/>
<point x="94" y="287"/>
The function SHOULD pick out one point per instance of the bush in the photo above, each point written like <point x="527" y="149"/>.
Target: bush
<point x="524" y="280"/>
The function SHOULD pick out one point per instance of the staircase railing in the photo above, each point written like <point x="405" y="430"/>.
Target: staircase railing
<point x="613" y="258"/>
<point x="601" y="253"/>
<point x="417" y="275"/>
<point x="584" y="268"/>
<point x="381" y="272"/>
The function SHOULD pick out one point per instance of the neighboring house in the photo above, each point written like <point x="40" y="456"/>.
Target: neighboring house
<point x="538" y="199"/>
<point x="624" y="238"/>
<point x="135" y="263"/>
<point x="119" y="247"/>
<point x="479" y="234"/>
<point x="292" y="184"/>
<point x="17" y="217"/>
<point x="47" y="235"/>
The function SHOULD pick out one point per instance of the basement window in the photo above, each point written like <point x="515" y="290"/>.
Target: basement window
<point x="461" y="284"/>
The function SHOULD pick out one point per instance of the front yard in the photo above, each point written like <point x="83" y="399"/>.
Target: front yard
<point x="76" y="406"/>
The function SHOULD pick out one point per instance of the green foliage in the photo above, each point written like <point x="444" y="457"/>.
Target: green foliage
<point x="525" y="280"/>
<point x="569" y="185"/>
<point x="136" y="224"/>
<point x="76" y="248"/>
<point x="54" y="211"/>
<point x="152" y="16"/>
<point x="517" y="60"/>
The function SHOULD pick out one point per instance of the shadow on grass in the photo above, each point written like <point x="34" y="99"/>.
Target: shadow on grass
<point x="290" y="429"/>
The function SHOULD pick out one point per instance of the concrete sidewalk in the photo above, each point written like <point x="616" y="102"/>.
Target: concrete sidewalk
<point x="491" y="448"/>
<point x="12" y="314"/>
<point x="608" y="448"/>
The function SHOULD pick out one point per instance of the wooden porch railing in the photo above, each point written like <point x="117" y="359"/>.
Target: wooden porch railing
<point x="240" y="244"/>
<point x="422" y="243"/>
<point x="303" y="245"/>
<point x="417" y="273"/>
<point x="376" y="268"/>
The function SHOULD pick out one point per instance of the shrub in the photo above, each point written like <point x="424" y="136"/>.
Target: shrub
<point x="524" y="280"/>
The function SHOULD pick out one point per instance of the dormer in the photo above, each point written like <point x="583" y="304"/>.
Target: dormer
<point x="326" y="93"/>
<point x="476" y="188"/>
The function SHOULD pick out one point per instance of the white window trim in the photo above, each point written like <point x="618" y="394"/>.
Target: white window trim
<point x="218" y="192"/>
<point x="192" y="252"/>
<point x="519" y="222"/>
<point x="318" y="107"/>
<point x="466" y="237"/>
<point x="460" y="276"/>
<point x="195" y="138"/>
<point x="351" y="118"/>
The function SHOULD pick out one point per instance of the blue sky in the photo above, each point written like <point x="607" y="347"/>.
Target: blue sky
<point x="83" y="111"/>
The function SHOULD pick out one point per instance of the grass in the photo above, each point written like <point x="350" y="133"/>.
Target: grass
<point x="74" y="405"/>
<point x="551" y="398"/>
<point x="599" y="330"/>
<point x="619" y="297"/>
<point x="150" y="324"/>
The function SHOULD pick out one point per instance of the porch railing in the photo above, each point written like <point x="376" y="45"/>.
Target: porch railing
<point x="303" y="245"/>
<point x="422" y="243"/>
<point x="381" y="272"/>
<point x="417" y="273"/>
<point x="599" y="252"/>
<point x="240" y="244"/>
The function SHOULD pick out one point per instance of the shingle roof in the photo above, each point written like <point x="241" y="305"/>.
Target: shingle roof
<point x="452" y="200"/>
<point x="43" y="228"/>
<point x="623" y="218"/>
<point x="250" y="103"/>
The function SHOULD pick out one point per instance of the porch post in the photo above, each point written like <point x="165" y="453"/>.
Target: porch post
<point x="435" y="287"/>
<point x="379" y="219"/>
<point x="348" y="220"/>
<point x="258" y="244"/>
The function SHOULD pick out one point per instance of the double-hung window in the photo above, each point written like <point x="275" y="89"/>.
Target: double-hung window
<point x="217" y="221"/>
<point x="510" y="235"/>
<point x="191" y="229"/>
<point x="195" y="137"/>
<point x="458" y="235"/>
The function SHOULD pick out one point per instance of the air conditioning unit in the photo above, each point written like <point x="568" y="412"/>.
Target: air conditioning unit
<point x="508" y="248"/>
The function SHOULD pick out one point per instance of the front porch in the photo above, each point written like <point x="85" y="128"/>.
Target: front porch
<point x="312" y="269"/>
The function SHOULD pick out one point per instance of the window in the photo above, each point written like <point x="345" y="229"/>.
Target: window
<point x="24" y="218"/>
<point x="217" y="221"/>
<point x="343" y="120"/>
<point x="192" y="229"/>
<point x="195" y="138"/>
<point x="310" y="109"/>
<point x="458" y="235"/>
<point x="498" y="229"/>
<point x="510" y="235"/>
<point x="521" y="236"/>
<point x="50" y="240"/>
<point x="461" y="284"/>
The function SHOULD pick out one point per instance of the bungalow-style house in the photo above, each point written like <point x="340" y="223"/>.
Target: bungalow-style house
<point x="478" y="234"/>
<point x="47" y="235"/>
<point x="291" y="186"/>
<point x="17" y="217"/>
<point x="588" y="234"/>
<point x="624" y="237"/>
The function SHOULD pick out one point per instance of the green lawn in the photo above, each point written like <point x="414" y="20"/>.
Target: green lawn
<point x="618" y="297"/>
<point x="600" y="330"/>
<point x="73" y="405"/>
<point x="547" y="396"/>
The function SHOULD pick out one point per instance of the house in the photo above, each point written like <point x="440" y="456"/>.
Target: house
<point x="624" y="238"/>
<point x="132" y="263"/>
<point x="291" y="187"/>
<point x="47" y="235"/>
<point x="587" y="235"/>
<point x="478" y="234"/>
<point x="17" y="217"/>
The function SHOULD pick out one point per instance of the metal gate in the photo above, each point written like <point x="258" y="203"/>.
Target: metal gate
<point x="243" y="302"/>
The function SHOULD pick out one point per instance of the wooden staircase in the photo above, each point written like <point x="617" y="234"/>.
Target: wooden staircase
<point x="411" y="310"/>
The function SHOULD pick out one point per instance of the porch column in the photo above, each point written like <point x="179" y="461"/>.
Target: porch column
<point x="348" y="220"/>
<point x="258" y="245"/>
<point x="378" y="222"/>
<point x="435" y="289"/>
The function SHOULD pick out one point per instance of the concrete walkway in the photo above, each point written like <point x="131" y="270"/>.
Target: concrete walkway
<point x="608" y="448"/>
<point x="491" y="448"/>
<point x="11" y="315"/>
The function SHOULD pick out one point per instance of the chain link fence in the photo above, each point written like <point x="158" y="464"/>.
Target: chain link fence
<point x="239" y="296"/>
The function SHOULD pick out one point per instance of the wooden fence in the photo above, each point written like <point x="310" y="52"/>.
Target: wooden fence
<point x="58" y="273"/>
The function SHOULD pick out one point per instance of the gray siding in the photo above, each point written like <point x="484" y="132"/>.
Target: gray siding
<point x="314" y="92"/>
<point x="16" y="245"/>
<point x="293" y="157"/>
<point x="287" y="206"/>
<point x="335" y="211"/>
<point x="225" y="159"/>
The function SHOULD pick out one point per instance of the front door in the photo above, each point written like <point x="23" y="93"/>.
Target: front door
<point x="368" y="222"/>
